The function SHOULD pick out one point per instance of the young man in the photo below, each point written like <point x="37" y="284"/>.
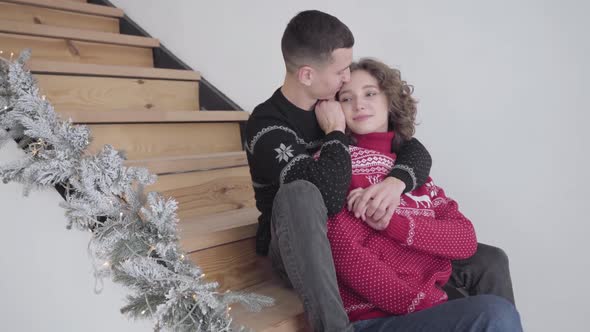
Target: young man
<point x="295" y="193"/>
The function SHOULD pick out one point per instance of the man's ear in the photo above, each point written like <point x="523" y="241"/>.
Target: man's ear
<point x="305" y="75"/>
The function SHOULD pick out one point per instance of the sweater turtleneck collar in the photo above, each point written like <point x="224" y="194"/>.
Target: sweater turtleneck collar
<point x="375" y="141"/>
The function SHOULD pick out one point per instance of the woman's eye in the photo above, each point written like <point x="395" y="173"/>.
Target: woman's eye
<point x="371" y="94"/>
<point x="345" y="99"/>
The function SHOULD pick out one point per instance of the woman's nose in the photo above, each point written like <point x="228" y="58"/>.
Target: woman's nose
<point x="359" y="105"/>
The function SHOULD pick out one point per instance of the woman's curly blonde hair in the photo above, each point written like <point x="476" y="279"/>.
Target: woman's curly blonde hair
<point x="402" y="106"/>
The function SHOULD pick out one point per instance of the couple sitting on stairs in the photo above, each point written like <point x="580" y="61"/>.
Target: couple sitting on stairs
<point x="349" y="215"/>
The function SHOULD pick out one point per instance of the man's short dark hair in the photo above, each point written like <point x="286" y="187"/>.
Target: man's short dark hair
<point x="312" y="36"/>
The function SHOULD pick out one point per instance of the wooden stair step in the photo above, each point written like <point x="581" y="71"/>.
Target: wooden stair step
<point x="52" y="17"/>
<point x="286" y="315"/>
<point x="76" y="34"/>
<point x="199" y="162"/>
<point x="234" y="265"/>
<point x="198" y="233"/>
<point x="151" y="140"/>
<point x="132" y="116"/>
<point x="66" y="50"/>
<point x="71" y="6"/>
<point x="208" y="192"/>
<point x="54" y="67"/>
<point x="94" y="94"/>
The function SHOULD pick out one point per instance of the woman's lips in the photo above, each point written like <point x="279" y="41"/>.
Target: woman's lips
<point x="361" y="117"/>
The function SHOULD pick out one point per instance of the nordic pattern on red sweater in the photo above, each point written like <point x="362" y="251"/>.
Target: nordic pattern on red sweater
<point x="401" y="269"/>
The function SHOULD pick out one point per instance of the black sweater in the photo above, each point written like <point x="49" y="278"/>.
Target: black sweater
<point x="280" y="141"/>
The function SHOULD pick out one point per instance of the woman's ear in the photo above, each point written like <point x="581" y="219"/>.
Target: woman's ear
<point x="305" y="75"/>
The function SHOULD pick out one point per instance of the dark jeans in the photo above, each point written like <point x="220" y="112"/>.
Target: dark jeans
<point x="470" y="314"/>
<point x="486" y="272"/>
<point x="301" y="255"/>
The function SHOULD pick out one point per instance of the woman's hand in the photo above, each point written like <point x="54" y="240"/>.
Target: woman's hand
<point x="375" y="204"/>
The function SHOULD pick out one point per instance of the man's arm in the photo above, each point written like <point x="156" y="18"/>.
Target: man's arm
<point x="377" y="203"/>
<point x="279" y="156"/>
<point x="412" y="165"/>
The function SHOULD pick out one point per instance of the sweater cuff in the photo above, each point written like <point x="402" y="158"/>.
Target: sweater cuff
<point x="337" y="135"/>
<point x="401" y="229"/>
<point x="406" y="175"/>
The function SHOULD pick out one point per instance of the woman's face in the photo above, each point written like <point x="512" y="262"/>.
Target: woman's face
<point x="365" y="106"/>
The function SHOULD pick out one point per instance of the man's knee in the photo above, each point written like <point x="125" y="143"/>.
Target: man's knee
<point x="493" y="257"/>
<point x="300" y="204"/>
<point x="299" y="194"/>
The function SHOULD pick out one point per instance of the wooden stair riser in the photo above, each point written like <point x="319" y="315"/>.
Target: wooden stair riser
<point x="215" y="239"/>
<point x="60" y="18"/>
<point x="234" y="266"/>
<point x="64" y="50"/>
<point x="38" y="30"/>
<point x="140" y="141"/>
<point x="202" y="232"/>
<point x="86" y="93"/>
<point x="200" y="162"/>
<point x="208" y="192"/>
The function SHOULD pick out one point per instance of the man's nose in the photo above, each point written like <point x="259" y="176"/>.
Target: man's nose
<point x="346" y="76"/>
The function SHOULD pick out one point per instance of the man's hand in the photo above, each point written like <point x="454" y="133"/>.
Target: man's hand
<point x="330" y="116"/>
<point x="375" y="205"/>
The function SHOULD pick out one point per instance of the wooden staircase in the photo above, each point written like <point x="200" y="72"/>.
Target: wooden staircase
<point x="97" y="76"/>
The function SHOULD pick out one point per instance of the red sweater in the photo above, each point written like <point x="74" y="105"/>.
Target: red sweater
<point x="401" y="269"/>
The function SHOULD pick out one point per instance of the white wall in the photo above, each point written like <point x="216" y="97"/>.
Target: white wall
<point x="501" y="85"/>
<point x="46" y="280"/>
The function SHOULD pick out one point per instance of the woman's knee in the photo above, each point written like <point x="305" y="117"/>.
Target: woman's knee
<point x="498" y="313"/>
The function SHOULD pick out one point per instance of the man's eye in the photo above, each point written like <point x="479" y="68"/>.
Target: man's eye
<point x="345" y="99"/>
<point x="371" y="94"/>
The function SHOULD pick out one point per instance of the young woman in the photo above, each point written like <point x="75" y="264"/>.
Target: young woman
<point x="392" y="277"/>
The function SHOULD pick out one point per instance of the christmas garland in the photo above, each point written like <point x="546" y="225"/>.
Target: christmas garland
<point x="134" y="235"/>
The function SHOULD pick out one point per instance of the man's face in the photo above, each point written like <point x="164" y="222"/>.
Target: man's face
<point x="329" y="78"/>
